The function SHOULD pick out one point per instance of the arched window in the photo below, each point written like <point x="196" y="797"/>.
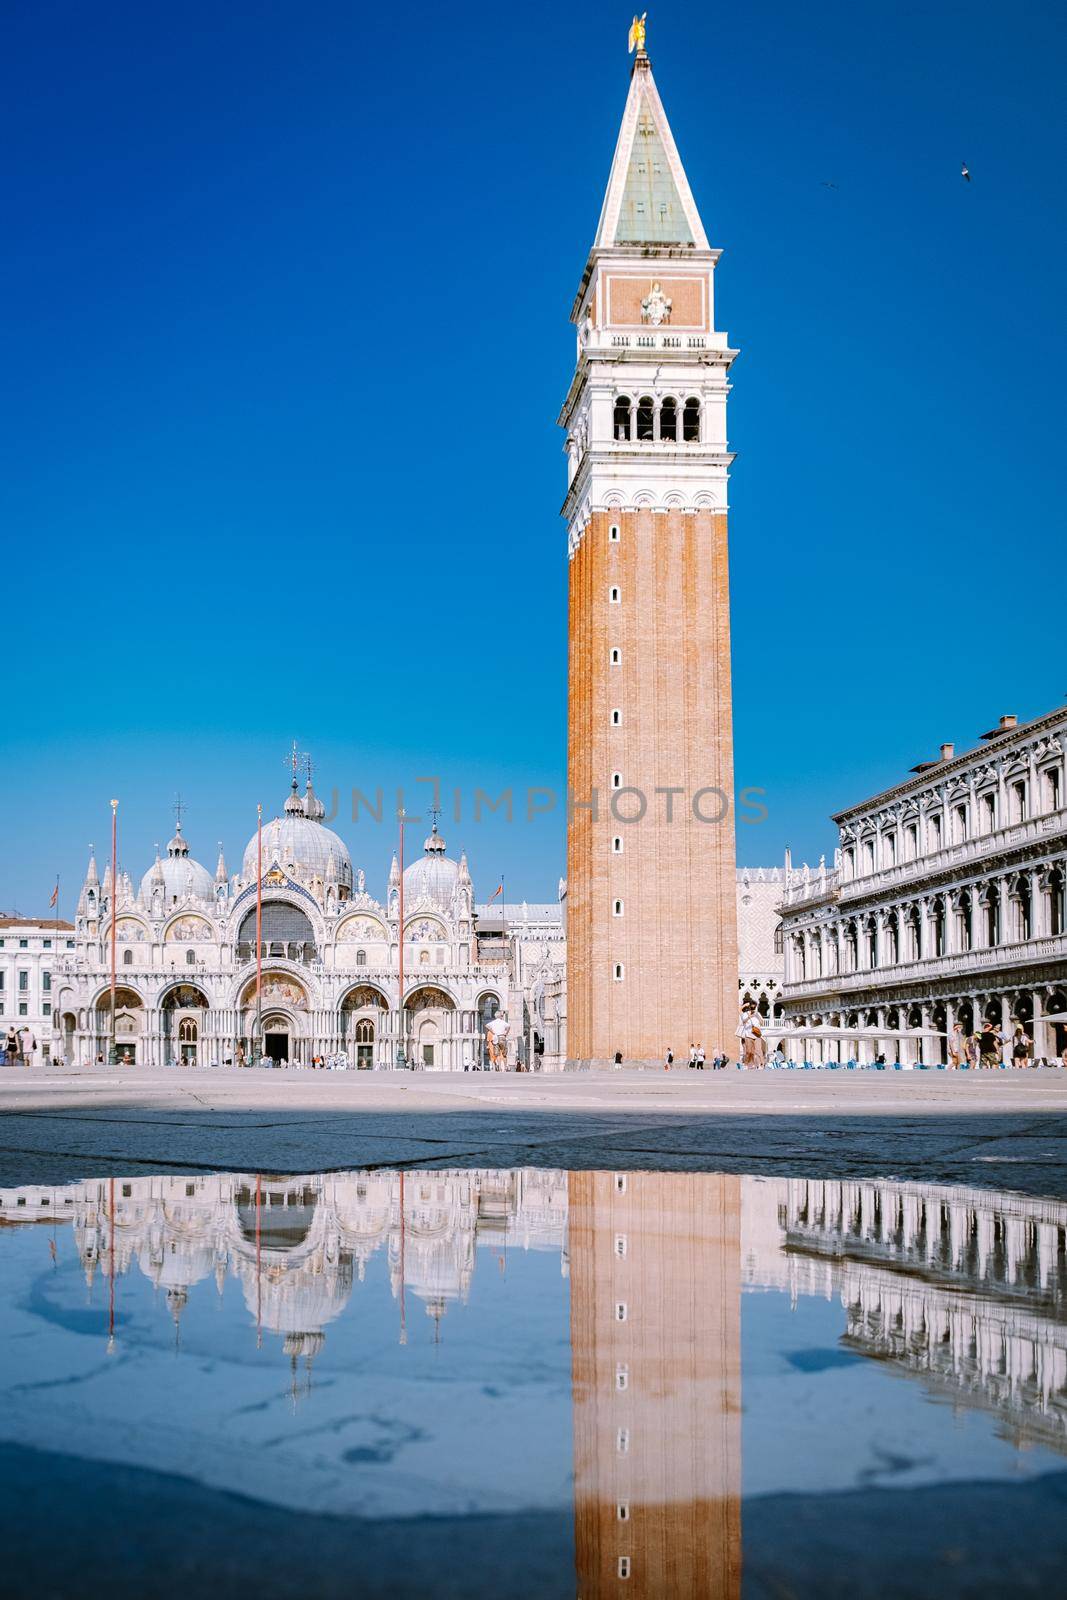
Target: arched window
<point x="361" y="958"/>
<point x="668" y="419"/>
<point x="691" y="421"/>
<point x="778" y="940"/>
<point x="646" y="418"/>
<point x="622" y="417"/>
<point x="127" y="958"/>
<point x="190" y="958"/>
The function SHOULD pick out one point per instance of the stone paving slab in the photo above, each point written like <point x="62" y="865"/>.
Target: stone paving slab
<point x="999" y="1130"/>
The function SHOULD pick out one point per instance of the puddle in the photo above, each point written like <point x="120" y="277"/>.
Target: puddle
<point x="527" y="1382"/>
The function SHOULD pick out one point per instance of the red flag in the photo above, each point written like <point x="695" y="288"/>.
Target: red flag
<point x="55" y="896"/>
<point x="495" y="892"/>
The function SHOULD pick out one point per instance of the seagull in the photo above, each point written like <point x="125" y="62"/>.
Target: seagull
<point x="964" y="173"/>
<point x="827" y="184"/>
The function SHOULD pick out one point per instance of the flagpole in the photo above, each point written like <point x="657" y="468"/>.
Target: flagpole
<point x="114" y="919"/>
<point x="401" y="1056"/>
<point x="55" y="947"/>
<point x="259" y="929"/>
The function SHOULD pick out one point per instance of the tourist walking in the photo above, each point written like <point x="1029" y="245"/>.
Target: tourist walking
<point x="11" y="1046"/>
<point x="751" y="1037"/>
<point x="990" y="1044"/>
<point x="669" y="1061"/>
<point x="700" y="1058"/>
<point x="957" y="1044"/>
<point x="1021" y="1044"/>
<point x="971" y="1047"/>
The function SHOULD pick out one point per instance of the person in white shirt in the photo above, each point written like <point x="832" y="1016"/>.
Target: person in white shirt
<point x="753" y="1049"/>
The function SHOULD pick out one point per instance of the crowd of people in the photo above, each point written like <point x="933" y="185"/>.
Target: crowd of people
<point x="988" y="1050"/>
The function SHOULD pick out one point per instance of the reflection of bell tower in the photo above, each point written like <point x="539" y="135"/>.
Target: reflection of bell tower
<point x="655" y="1265"/>
<point x="651" y="895"/>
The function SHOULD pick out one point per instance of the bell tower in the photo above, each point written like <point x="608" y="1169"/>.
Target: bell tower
<point x="651" y="918"/>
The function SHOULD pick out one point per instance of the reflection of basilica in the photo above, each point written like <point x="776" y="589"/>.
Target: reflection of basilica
<point x="297" y="1245"/>
<point x="964" y="1290"/>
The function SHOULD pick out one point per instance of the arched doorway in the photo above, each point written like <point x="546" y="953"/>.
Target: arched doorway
<point x="278" y="1038"/>
<point x="286" y="1022"/>
<point x="363" y="1012"/>
<point x="183" y="1017"/>
<point x="128" y="1033"/>
<point x="431" y="1025"/>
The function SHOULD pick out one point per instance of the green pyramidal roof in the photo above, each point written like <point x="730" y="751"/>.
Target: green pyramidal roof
<point x="651" y="211"/>
<point x="648" y="199"/>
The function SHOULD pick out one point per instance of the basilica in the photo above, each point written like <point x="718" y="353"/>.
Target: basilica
<point x="195" y="987"/>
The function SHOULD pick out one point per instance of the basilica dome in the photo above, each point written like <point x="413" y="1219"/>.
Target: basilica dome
<point x="179" y="874"/>
<point x="301" y="844"/>
<point x="432" y="878"/>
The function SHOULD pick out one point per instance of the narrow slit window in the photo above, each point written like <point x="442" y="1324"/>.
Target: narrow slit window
<point x="613" y="533"/>
<point x="616" y="656"/>
<point x="617" y="909"/>
<point x="616" y="845"/>
<point x="616" y="718"/>
<point x="614" y="595"/>
<point x="619" y="972"/>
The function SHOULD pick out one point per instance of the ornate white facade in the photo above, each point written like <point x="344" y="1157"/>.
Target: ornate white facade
<point x="187" y="958"/>
<point x="945" y="905"/>
<point x="759" y="944"/>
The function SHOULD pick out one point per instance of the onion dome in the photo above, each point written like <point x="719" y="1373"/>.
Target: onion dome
<point x="433" y="878"/>
<point x="182" y="877"/>
<point x="300" y="845"/>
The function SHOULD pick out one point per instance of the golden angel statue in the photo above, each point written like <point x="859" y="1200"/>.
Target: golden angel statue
<point x="637" y="33"/>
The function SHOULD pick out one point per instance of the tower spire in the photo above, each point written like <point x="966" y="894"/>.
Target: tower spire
<point x="648" y="199"/>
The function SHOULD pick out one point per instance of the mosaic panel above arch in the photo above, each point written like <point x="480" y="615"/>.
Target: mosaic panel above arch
<point x="356" y="930"/>
<point x="188" y="930"/>
<point x="279" y="989"/>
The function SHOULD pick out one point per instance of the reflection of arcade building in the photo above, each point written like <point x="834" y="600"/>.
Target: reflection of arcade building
<point x="965" y="1289"/>
<point x="186" y="958"/>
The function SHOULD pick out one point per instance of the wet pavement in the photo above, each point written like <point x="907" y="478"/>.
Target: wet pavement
<point x="526" y="1381"/>
<point x="1002" y="1129"/>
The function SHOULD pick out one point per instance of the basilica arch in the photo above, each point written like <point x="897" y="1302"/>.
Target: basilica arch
<point x="362" y="1025"/>
<point x="183" y="1009"/>
<point x="130" y="1031"/>
<point x="288" y="933"/>
<point x="433" y="1039"/>
<point x="287" y="1020"/>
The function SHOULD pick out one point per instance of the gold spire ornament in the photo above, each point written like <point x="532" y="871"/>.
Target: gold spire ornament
<point x="637" y="34"/>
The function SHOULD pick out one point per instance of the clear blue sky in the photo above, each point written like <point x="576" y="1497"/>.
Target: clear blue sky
<point x="285" y="295"/>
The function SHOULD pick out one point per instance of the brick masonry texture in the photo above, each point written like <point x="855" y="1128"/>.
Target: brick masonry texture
<point x="677" y="937"/>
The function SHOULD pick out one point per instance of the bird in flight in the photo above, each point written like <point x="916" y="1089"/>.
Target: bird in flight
<point x="827" y="184"/>
<point x="965" y="173"/>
